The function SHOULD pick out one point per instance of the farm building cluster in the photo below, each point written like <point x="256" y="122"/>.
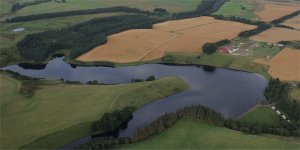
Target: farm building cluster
<point x="242" y="49"/>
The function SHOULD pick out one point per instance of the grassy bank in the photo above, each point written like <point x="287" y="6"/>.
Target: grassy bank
<point x="58" y="110"/>
<point x="263" y="115"/>
<point x="190" y="134"/>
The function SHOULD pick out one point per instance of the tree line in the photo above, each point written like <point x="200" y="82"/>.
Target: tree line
<point x="207" y="7"/>
<point x="261" y="26"/>
<point x="18" y="6"/>
<point x="278" y="93"/>
<point x="79" y="38"/>
<point x="284" y="18"/>
<point x="78" y="12"/>
<point x="150" y="78"/>
<point x="210" y="48"/>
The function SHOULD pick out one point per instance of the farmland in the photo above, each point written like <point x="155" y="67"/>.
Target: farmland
<point x="263" y="115"/>
<point x="183" y="36"/>
<point x="275" y="35"/>
<point x="170" y="5"/>
<point x="285" y="65"/>
<point x="190" y="134"/>
<point x="271" y="11"/>
<point x="25" y="120"/>
<point x="293" y="22"/>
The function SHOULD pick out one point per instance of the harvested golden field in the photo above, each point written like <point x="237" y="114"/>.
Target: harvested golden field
<point x="293" y="22"/>
<point x="271" y="12"/>
<point x="275" y="35"/>
<point x="285" y="65"/>
<point x="182" y="36"/>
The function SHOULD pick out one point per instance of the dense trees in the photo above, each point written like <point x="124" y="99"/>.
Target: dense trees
<point x="206" y="7"/>
<point x="77" y="12"/>
<point x="209" y="48"/>
<point x="278" y="93"/>
<point x="18" y="6"/>
<point x="112" y="121"/>
<point x="79" y="38"/>
<point x="150" y="78"/>
<point x="197" y="112"/>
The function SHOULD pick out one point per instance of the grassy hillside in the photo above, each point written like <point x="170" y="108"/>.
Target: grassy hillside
<point x="263" y="115"/>
<point x="237" y="8"/>
<point x="61" y="109"/>
<point x="190" y="134"/>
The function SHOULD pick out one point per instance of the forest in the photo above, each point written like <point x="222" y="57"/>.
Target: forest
<point x="18" y="6"/>
<point x="79" y="38"/>
<point x="210" y="48"/>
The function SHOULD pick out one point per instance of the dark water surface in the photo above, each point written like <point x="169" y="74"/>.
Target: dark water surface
<point x="230" y="92"/>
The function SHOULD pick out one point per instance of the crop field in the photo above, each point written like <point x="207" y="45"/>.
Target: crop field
<point x="170" y="5"/>
<point x="26" y="120"/>
<point x="293" y="22"/>
<point x="271" y="11"/>
<point x="191" y="134"/>
<point x="275" y="35"/>
<point x="182" y="36"/>
<point x="238" y="8"/>
<point x="285" y="65"/>
<point x="263" y="115"/>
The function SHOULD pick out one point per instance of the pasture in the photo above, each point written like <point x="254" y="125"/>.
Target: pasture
<point x="293" y="22"/>
<point x="285" y="65"/>
<point x="182" y="36"/>
<point x="261" y="114"/>
<point x="65" y="111"/>
<point x="275" y="35"/>
<point x="238" y="8"/>
<point x="191" y="134"/>
<point x="272" y="11"/>
<point x="295" y="94"/>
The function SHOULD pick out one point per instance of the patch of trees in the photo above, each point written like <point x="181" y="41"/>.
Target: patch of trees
<point x="197" y="112"/>
<point x="79" y="38"/>
<point x="114" y="120"/>
<point x="262" y="26"/>
<point x="294" y="44"/>
<point x="77" y="12"/>
<point x="106" y="142"/>
<point x="18" y="6"/>
<point x="150" y="78"/>
<point x="284" y="18"/>
<point x="278" y="93"/>
<point x="283" y="129"/>
<point x="160" y="11"/>
<point x="207" y="7"/>
<point x="210" y="48"/>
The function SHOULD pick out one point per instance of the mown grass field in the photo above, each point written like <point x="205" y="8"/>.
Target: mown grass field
<point x="64" y="112"/>
<point x="237" y="8"/>
<point x="171" y="5"/>
<point x="190" y="134"/>
<point x="263" y="115"/>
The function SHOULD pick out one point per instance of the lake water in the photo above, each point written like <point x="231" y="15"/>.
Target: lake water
<point x="230" y="92"/>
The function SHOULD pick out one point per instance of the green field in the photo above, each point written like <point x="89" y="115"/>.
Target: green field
<point x="263" y="115"/>
<point x="64" y="112"/>
<point x="190" y="134"/>
<point x="170" y="5"/>
<point x="237" y="8"/>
